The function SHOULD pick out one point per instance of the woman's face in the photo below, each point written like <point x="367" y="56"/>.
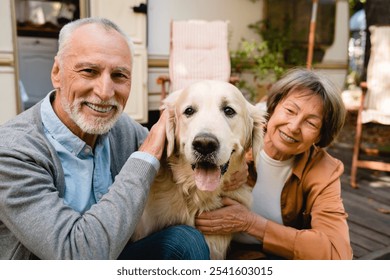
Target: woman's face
<point x="295" y="125"/>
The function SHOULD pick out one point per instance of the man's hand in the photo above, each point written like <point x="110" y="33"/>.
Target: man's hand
<point x="155" y="141"/>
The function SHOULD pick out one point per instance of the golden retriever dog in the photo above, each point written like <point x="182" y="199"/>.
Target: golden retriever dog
<point x="210" y="128"/>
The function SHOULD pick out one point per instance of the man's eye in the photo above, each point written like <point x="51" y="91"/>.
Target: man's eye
<point x="189" y="111"/>
<point x="229" y="111"/>
<point x="88" y="71"/>
<point x="120" y="76"/>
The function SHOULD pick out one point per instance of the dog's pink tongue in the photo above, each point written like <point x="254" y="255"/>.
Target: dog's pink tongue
<point x="207" y="180"/>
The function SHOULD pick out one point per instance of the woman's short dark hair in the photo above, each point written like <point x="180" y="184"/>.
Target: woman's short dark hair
<point x="334" y="112"/>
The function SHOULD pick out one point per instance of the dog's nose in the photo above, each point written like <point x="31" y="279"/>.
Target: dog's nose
<point x="205" y="143"/>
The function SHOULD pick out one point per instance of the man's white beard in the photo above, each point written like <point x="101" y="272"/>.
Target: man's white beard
<point x="88" y="124"/>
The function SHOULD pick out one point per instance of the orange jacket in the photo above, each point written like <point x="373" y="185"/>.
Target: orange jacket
<point x="315" y="222"/>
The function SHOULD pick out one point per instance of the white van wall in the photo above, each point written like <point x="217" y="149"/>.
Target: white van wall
<point x="240" y="13"/>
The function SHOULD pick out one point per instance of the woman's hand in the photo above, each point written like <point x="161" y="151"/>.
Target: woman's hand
<point x="232" y="217"/>
<point x="237" y="179"/>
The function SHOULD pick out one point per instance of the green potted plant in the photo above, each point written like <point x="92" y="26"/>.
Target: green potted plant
<point x="259" y="63"/>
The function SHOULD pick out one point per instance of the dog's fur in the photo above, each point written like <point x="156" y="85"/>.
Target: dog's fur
<point x="210" y="128"/>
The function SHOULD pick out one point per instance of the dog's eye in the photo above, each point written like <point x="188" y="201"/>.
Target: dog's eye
<point x="229" y="111"/>
<point x="189" y="111"/>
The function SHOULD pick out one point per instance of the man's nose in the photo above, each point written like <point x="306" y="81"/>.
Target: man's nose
<point x="105" y="87"/>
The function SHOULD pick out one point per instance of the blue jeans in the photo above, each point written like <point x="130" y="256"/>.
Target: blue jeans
<point x="173" y="243"/>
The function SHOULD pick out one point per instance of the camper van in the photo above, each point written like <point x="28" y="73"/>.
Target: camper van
<point x="28" y="40"/>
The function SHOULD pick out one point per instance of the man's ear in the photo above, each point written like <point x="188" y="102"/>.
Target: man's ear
<point x="55" y="73"/>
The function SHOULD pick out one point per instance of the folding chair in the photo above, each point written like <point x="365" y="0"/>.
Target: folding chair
<point x="198" y="51"/>
<point x="375" y="100"/>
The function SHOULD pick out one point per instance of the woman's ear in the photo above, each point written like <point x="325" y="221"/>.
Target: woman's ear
<point x="55" y="73"/>
<point x="318" y="140"/>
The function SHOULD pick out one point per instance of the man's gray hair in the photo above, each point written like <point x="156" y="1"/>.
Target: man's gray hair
<point x="68" y="29"/>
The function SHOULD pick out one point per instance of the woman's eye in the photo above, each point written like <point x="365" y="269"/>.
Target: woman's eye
<point x="290" y="111"/>
<point x="189" y="111"/>
<point x="229" y="111"/>
<point x="312" y="124"/>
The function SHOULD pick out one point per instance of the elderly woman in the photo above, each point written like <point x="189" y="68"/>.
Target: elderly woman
<point x="297" y="210"/>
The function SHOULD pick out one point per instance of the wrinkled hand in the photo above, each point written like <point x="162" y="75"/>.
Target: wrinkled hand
<point x="237" y="179"/>
<point x="232" y="217"/>
<point x="155" y="141"/>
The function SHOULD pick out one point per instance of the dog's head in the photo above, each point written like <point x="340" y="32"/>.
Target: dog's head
<point x="210" y="125"/>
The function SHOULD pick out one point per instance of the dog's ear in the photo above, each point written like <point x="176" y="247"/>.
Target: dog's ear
<point x="169" y="104"/>
<point x="170" y="100"/>
<point x="170" y="131"/>
<point x="258" y="120"/>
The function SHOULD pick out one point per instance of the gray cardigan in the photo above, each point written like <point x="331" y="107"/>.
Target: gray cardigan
<point x="35" y="222"/>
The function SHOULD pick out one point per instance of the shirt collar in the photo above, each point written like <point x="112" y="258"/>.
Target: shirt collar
<point x="60" y="132"/>
<point x="301" y="162"/>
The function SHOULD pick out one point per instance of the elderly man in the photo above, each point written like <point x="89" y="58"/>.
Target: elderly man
<point x="75" y="172"/>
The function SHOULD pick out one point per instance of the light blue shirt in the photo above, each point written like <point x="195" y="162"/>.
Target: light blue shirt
<point x="87" y="171"/>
